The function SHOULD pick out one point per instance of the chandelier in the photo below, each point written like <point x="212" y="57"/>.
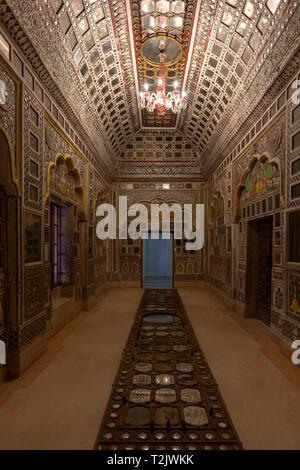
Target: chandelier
<point x="162" y="101"/>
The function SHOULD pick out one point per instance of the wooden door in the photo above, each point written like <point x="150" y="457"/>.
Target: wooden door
<point x="259" y="270"/>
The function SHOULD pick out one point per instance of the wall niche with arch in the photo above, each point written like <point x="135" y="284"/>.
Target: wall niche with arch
<point x="258" y="210"/>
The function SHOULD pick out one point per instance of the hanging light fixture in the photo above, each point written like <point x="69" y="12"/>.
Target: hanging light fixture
<point x="162" y="101"/>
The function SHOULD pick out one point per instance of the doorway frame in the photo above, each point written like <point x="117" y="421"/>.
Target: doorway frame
<point x="251" y="306"/>
<point x="142" y="263"/>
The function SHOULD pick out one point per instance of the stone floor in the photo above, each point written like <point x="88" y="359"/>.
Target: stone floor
<point x="60" y="400"/>
<point x="260" y="387"/>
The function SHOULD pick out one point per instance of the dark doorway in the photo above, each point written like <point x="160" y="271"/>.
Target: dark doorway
<point x="259" y="270"/>
<point x="158" y="262"/>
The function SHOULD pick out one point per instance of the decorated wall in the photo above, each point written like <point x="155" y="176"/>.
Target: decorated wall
<point x="56" y="166"/>
<point x="217" y="254"/>
<point x="260" y="183"/>
<point x="160" y="154"/>
<point x="127" y="254"/>
<point x="50" y="170"/>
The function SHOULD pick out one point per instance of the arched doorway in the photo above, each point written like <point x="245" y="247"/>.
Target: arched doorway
<point x="9" y="261"/>
<point x="159" y="250"/>
<point x="258" y="195"/>
<point x="66" y="237"/>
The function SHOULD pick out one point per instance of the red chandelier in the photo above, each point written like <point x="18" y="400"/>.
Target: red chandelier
<point x="162" y="101"/>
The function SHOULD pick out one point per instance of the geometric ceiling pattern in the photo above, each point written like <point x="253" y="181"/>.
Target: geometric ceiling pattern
<point x="157" y="148"/>
<point x="277" y="47"/>
<point x="153" y="21"/>
<point x="240" y="31"/>
<point x="87" y="32"/>
<point x="97" y="53"/>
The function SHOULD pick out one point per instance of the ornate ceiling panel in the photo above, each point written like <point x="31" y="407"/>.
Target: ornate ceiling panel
<point x="161" y="154"/>
<point x="152" y="21"/>
<point x="276" y="64"/>
<point x="100" y="53"/>
<point x="9" y="22"/>
<point x="153" y="146"/>
<point x="228" y="44"/>
<point x="77" y="43"/>
<point x="240" y="39"/>
<point x="87" y="29"/>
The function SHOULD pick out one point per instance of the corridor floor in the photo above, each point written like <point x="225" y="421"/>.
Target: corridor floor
<point x="164" y="396"/>
<point x="59" y="402"/>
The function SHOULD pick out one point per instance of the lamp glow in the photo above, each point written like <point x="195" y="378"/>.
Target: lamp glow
<point x="162" y="101"/>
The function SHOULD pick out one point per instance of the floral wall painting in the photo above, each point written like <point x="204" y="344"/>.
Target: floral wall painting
<point x="64" y="179"/>
<point x="262" y="180"/>
<point x="61" y="182"/>
<point x="294" y="295"/>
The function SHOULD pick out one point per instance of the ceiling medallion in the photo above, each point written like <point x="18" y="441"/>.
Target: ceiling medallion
<point x="161" y="51"/>
<point x="156" y="46"/>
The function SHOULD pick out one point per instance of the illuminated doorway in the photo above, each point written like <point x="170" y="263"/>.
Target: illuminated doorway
<point x="158" y="262"/>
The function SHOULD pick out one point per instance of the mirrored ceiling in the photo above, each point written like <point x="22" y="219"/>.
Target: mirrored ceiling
<point x="101" y="53"/>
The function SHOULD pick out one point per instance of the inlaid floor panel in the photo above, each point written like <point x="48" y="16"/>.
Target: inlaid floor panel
<point x="164" y="395"/>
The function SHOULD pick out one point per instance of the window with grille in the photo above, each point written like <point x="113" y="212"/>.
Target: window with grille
<point x="60" y="245"/>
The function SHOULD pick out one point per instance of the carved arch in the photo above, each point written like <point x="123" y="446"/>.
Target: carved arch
<point x="72" y="171"/>
<point x="242" y="183"/>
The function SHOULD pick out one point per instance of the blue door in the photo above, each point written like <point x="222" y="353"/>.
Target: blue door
<point x="158" y="262"/>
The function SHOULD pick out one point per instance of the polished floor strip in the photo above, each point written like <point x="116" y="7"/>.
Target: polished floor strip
<point x="164" y="395"/>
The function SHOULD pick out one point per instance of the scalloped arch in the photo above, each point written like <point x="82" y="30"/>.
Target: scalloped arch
<point x="254" y="159"/>
<point x="74" y="172"/>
